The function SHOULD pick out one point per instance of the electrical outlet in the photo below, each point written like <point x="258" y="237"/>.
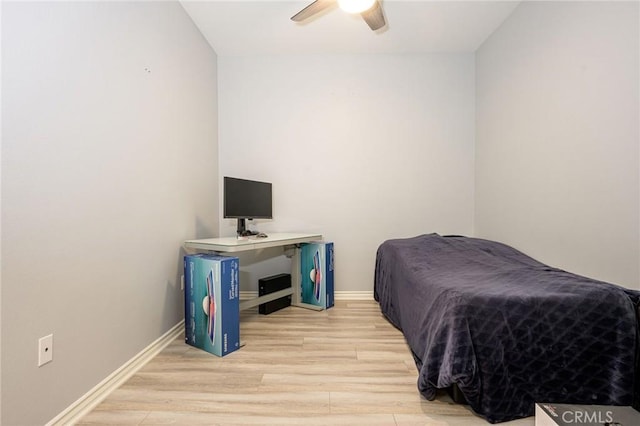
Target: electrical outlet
<point x="45" y="350"/>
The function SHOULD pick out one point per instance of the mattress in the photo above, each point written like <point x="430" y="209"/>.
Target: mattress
<point x="508" y="330"/>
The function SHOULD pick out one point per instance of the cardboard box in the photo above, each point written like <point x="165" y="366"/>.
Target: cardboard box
<point x="316" y="268"/>
<point x="211" y="303"/>
<point x="572" y="414"/>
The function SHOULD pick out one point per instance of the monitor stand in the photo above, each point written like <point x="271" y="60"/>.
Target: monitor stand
<point x="242" y="229"/>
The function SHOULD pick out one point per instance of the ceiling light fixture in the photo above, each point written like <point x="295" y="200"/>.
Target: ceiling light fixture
<point x="370" y="10"/>
<point x="355" y="6"/>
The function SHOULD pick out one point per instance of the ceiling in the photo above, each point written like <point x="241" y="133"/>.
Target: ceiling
<point x="238" y="27"/>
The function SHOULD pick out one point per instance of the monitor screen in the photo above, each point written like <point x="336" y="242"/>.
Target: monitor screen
<point x="246" y="199"/>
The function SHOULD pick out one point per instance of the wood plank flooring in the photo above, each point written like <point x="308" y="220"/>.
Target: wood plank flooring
<point x="343" y="366"/>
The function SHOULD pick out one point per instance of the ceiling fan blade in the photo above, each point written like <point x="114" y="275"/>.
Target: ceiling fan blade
<point x="315" y="7"/>
<point x="374" y="17"/>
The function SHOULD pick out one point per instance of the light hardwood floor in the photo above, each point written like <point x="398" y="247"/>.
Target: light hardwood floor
<point x="343" y="366"/>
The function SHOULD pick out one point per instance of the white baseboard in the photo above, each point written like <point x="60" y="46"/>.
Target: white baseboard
<point x="244" y="295"/>
<point x="353" y="295"/>
<point x="338" y="295"/>
<point x="95" y="396"/>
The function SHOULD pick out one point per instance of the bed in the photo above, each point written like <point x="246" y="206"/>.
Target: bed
<point x="505" y="329"/>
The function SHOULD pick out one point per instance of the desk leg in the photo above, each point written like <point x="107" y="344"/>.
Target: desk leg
<point x="296" y="297"/>
<point x="295" y="276"/>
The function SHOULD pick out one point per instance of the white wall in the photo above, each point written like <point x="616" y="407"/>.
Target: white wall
<point x="557" y="136"/>
<point x="358" y="148"/>
<point x="109" y="161"/>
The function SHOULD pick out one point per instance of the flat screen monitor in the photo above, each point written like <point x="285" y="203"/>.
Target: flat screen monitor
<point x="246" y="199"/>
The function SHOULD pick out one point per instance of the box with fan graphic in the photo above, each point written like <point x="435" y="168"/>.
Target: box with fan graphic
<point x="211" y="303"/>
<point x="317" y="268"/>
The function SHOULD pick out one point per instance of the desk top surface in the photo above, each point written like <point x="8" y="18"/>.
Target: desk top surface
<point x="233" y="244"/>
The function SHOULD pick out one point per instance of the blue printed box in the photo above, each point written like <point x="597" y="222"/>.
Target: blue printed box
<point x="316" y="268"/>
<point x="211" y="303"/>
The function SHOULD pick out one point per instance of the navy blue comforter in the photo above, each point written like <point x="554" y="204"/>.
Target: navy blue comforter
<point x="507" y="329"/>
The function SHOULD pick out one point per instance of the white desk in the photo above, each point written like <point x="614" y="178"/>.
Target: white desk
<point x="290" y="243"/>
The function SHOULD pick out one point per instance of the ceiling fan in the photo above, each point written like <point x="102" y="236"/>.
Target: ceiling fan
<point x="370" y="10"/>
